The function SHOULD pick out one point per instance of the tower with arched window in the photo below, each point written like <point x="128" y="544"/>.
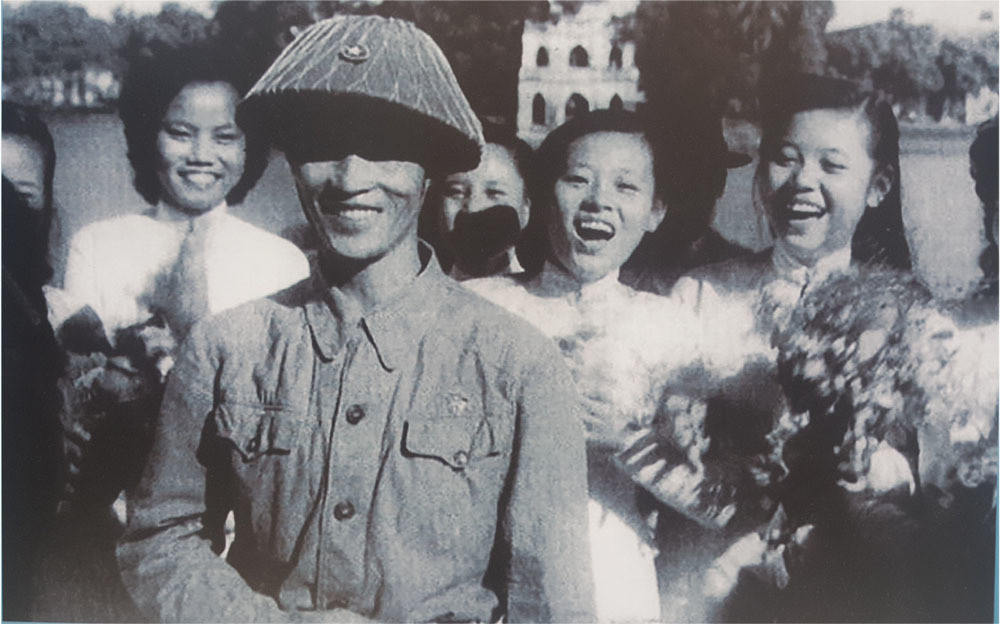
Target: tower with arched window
<point x="572" y="63"/>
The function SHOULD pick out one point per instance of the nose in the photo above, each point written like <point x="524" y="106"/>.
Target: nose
<point x="478" y="201"/>
<point x="202" y="150"/>
<point x="598" y="198"/>
<point x="349" y="176"/>
<point x="806" y="176"/>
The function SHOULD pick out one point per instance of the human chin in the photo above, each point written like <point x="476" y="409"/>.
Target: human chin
<point x="349" y="239"/>
<point x="809" y="238"/>
<point x="195" y="194"/>
<point x="588" y="267"/>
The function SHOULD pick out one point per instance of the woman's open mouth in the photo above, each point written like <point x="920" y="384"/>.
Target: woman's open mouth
<point x="593" y="230"/>
<point x="803" y="209"/>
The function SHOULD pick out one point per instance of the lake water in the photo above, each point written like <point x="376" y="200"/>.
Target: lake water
<point x="944" y="227"/>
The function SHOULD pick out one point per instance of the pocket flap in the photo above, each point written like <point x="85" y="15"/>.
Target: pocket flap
<point x="453" y="442"/>
<point x="256" y="430"/>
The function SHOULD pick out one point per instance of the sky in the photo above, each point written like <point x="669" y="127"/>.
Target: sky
<point x="949" y="16"/>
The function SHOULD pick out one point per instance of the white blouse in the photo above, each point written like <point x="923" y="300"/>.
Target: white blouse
<point x="117" y="264"/>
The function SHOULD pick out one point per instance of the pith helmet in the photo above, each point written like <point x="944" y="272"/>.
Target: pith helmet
<point x="371" y="85"/>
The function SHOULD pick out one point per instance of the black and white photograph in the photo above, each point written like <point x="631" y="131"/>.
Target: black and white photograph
<point x="500" y="311"/>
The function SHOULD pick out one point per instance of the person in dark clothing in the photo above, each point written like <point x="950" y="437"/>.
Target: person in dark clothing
<point x="31" y="365"/>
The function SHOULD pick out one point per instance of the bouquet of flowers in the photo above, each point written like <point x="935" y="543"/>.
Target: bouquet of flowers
<point x="110" y="395"/>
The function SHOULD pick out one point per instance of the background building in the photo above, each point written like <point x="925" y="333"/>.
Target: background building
<point x="575" y="62"/>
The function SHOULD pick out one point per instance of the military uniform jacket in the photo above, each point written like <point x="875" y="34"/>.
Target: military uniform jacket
<point x="422" y="463"/>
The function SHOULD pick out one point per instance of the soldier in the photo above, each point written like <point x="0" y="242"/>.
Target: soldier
<point x="393" y="446"/>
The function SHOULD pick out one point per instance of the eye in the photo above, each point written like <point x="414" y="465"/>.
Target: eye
<point x="228" y="136"/>
<point x="495" y="193"/>
<point x="454" y="191"/>
<point x="626" y="186"/>
<point x="785" y="157"/>
<point x="574" y="179"/>
<point x="178" y="132"/>
<point x="833" y="166"/>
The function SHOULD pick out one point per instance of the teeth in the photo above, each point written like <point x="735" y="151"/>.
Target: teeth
<point x="356" y="212"/>
<point x="805" y="209"/>
<point x="802" y="206"/>
<point x="597" y="226"/>
<point x="200" y="179"/>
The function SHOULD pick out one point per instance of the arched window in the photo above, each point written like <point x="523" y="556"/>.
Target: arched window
<point x="578" y="57"/>
<point x="616" y="103"/>
<point x="542" y="58"/>
<point x="615" y="59"/>
<point x="538" y="110"/>
<point x="576" y="105"/>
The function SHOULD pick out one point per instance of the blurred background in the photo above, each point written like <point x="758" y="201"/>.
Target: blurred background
<point x="534" y="64"/>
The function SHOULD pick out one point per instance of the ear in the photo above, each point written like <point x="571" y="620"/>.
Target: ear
<point x="882" y="182"/>
<point x="656" y="215"/>
<point x="524" y="214"/>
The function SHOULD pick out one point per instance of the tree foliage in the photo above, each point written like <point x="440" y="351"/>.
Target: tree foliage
<point x="56" y="38"/>
<point x="908" y="61"/>
<point x="719" y="50"/>
<point x="174" y="25"/>
<point x="47" y="38"/>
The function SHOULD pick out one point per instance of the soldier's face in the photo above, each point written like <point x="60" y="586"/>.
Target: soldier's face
<point x="360" y="209"/>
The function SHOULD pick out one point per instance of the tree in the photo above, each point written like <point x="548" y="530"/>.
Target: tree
<point x="52" y="38"/>
<point x="174" y="25"/>
<point x="719" y="50"/>
<point x="258" y="30"/>
<point x="895" y="57"/>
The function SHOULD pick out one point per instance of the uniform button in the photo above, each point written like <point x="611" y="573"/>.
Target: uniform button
<point x="355" y="414"/>
<point x="460" y="458"/>
<point x="344" y="510"/>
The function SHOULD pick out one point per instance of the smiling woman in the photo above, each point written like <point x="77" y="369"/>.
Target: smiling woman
<point x="146" y="279"/>
<point x="186" y="257"/>
<point x="598" y="195"/>
<point x="201" y="149"/>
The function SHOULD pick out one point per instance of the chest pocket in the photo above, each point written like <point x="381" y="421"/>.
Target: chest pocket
<point x="455" y="442"/>
<point x="258" y="430"/>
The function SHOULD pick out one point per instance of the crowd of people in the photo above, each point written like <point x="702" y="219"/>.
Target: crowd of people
<point x="500" y="384"/>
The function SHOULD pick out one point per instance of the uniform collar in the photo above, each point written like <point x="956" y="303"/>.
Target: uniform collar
<point x="554" y="281"/>
<point x="393" y="328"/>
<point x="788" y="268"/>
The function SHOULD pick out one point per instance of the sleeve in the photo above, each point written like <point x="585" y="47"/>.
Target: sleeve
<point x="546" y="523"/>
<point x="166" y="557"/>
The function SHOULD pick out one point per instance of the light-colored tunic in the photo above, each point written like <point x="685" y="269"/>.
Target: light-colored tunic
<point x="117" y="265"/>
<point x="618" y="342"/>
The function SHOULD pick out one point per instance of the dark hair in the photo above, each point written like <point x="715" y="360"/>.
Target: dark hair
<point x="25" y="242"/>
<point x="879" y="237"/>
<point x="694" y="161"/>
<point x="506" y="137"/>
<point x="152" y="83"/>
<point x="983" y="159"/>
<point x="550" y="163"/>
<point x="520" y="152"/>
<point x="19" y="120"/>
